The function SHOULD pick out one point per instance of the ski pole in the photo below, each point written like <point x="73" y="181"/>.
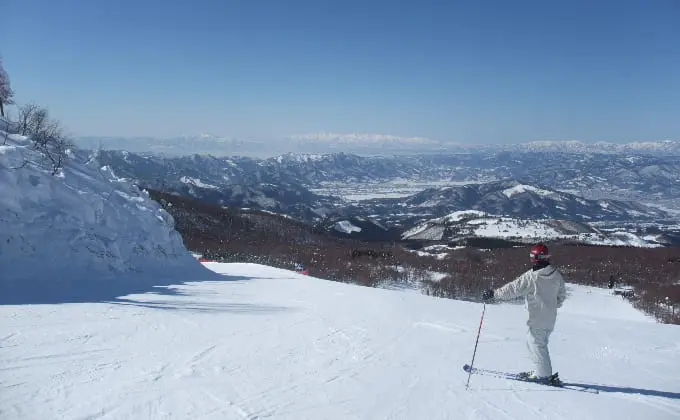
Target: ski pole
<point x="472" y="363"/>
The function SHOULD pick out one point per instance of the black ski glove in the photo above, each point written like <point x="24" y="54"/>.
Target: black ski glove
<point x="487" y="294"/>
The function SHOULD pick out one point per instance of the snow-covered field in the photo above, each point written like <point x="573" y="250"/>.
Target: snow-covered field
<point x="355" y="192"/>
<point x="473" y="223"/>
<point x="268" y="343"/>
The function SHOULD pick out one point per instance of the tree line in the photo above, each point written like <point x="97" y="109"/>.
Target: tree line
<point x="232" y="235"/>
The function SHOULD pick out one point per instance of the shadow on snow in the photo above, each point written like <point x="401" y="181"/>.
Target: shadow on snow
<point x="75" y="289"/>
<point x="628" y="390"/>
<point x="187" y="300"/>
<point x="599" y="388"/>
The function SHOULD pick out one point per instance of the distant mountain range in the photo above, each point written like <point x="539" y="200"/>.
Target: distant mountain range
<point x="364" y="144"/>
<point x="626" y="177"/>
<point x="660" y="148"/>
<point x="358" y="143"/>
<point x="282" y="184"/>
<point x="508" y="198"/>
<point x="596" y="176"/>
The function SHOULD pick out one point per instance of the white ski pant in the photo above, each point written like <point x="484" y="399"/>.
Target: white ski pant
<point x="537" y="343"/>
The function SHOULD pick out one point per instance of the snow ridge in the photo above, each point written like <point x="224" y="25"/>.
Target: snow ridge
<point x="83" y="225"/>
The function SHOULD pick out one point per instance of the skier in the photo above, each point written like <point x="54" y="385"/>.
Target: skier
<point x="612" y="282"/>
<point x="544" y="292"/>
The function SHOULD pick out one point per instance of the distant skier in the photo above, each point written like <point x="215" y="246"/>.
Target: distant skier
<point x="612" y="282"/>
<point x="544" y="292"/>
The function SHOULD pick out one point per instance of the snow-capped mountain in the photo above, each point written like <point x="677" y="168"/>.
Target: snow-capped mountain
<point x="178" y="146"/>
<point x="462" y="225"/>
<point x="322" y="143"/>
<point x="365" y="144"/>
<point x="510" y="198"/>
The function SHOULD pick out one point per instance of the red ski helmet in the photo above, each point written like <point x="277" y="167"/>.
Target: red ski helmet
<point x="538" y="253"/>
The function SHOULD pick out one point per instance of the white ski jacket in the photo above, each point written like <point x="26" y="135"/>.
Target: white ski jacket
<point x="544" y="292"/>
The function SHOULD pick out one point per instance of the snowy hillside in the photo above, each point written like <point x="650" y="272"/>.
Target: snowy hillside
<point x="472" y="223"/>
<point x="78" y="229"/>
<point x="235" y="181"/>
<point x="269" y="343"/>
<point x="517" y="199"/>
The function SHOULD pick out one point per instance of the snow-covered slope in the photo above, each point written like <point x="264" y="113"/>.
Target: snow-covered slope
<point x="235" y="181"/>
<point x="472" y="223"/>
<point x="269" y="343"/>
<point x="517" y="199"/>
<point x="75" y="230"/>
<point x="359" y="227"/>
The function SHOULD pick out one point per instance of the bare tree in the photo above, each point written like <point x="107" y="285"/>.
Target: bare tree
<point x="6" y="92"/>
<point x="53" y="145"/>
<point x="37" y="124"/>
<point x="26" y="117"/>
<point x="46" y="134"/>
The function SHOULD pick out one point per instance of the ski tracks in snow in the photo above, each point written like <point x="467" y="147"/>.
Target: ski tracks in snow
<point x="333" y="351"/>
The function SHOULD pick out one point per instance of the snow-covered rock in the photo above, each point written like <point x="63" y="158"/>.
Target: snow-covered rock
<point x="517" y="199"/>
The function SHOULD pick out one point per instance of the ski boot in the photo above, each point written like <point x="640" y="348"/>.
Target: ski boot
<point x="552" y="380"/>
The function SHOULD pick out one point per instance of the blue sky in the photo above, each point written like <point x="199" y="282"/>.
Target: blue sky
<point x="471" y="72"/>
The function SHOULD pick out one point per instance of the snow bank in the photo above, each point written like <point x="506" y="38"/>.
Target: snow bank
<point x="82" y="227"/>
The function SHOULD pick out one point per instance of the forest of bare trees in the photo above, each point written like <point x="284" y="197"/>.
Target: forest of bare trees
<point x="238" y="236"/>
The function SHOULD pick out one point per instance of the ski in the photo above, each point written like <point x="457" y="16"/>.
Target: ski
<point x="522" y="377"/>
